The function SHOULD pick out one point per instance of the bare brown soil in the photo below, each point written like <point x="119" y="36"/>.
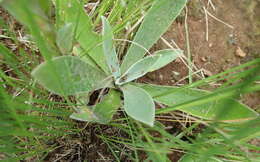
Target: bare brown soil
<point x="224" y="46"/>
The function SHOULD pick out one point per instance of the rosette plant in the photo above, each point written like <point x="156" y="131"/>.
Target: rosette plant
<point x="73" y="76"/>
<point x="101" y="69"/>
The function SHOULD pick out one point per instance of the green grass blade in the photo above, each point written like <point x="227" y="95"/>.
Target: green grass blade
<point x="37" y="21"/>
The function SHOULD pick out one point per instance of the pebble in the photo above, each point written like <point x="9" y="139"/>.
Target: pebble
<point x="207" y="72"/>
<point x="204" y="59"/>
<point x="240" y="52"/>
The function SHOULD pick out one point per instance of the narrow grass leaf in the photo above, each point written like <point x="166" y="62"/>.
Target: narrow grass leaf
<point x="64" y="38"/>
<point x="156" y="22"/>
<point x="102" y="112"/>
<point x="210" y="110"/>
<point x="138" y="69"/>
<point x="32" y="14"/>
<point x="138" y="104"/>
<point x="192" y="158"/>
<point x="167" y="56"/>
<point x="109" y="49"/>
<point x="68" y="75"/>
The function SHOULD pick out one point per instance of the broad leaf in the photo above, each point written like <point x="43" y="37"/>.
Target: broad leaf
<point x="156" y="22"/>
<point x="68" y="75"/>
<point x="109" y="49"/>
<point x="78" y="51"/>
<point x="138" y="69"/>
<point x="102" y="112"/>
<point x="138" y="104"/>
<point x="167" y="56"/>
<point x="64" y="38"/>
<point x="228" y="110"/>
<point x="71" y="11"/>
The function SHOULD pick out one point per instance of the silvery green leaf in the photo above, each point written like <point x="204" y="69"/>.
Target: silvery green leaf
<point x="109" y="49"/>
<point x="84" y="114"/>
<point x="69" y="75"/>
<point x="138" y="104"/>
<point x="210" y="111"/>
<point x="157" y="20"/>
<point x="64" y="38"/>
<point x="138" y="69"/>
<point x="102" y="112"/>
<point x="72" y="11"/>
<point x="78" y="51"/>
<point x="167" y="56"/>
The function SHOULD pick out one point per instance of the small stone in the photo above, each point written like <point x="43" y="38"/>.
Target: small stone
<point x="204" y="59"/>
<point x="161" y="76"/>
<point x="228" y="60"/>
<point x="207" y="72"/>
<point x="176" y="73"/>
<point x="178" y="60"/>
<point x="240" y="52"/>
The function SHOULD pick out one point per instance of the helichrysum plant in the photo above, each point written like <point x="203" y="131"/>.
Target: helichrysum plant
<point x="73" y="75"/>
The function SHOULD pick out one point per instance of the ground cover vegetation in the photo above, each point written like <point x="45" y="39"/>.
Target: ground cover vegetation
<point x="71" y="87"/>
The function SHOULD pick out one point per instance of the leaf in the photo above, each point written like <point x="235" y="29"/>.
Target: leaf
<point x="109" y="50"/>
<point x="102" y="112"/>
<point x="64" y="38"/>
<point x="167" y="56"/>
<point x="156" y="22"/>
<point x="68" y="75"/>
<point x="77" y="51"/>
<point x="138" y="104"/>
<point x="71" y="11"/>
<point x="148" y="64"/>
<point x="234" y="112"/>
<point x="138" y="69"/>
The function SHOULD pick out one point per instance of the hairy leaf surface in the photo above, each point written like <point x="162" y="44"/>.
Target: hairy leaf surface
<point x="166" y="57"/>
<point x="228" y="110"/>
<point x="156" y="22"/>
<point x="68" y="75"/>
<point x="138" y="104"/>
<point x="71" y="11"/>
<point x="138" y="69"/>
<point x="64" y="38"/>
<point x="109" y="49"/>
<point x="102" y="112"/>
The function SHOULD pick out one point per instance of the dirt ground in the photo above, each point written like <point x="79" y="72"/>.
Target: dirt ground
<point x="228" y="45"/>
<point x="233" y="39"/>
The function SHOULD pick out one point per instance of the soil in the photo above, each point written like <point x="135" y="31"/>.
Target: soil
<point x="223" y="48"/>
<point x="226" y="47"/>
